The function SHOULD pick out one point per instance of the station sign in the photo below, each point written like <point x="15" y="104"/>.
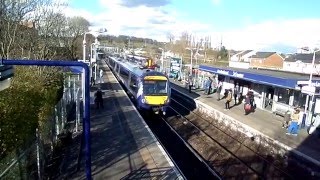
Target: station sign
<point x="308" y="89"/>
<point x="313" y="83"/>
<point x="231" y="73"/>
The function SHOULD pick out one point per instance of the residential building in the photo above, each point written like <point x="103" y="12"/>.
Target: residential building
<point x="241" y="59"/>
<point x="302" y="63"/>
<point x="242" y="56"/>
<point x="267" y="60"/>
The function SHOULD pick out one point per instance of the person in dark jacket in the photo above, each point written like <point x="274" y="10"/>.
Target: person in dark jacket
<point x="99" y="99"/>
<point x="208" y="85"/>
<point x="190" y="82"/>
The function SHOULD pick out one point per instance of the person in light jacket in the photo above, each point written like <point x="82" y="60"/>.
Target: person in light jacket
<point x="294" y="124"/>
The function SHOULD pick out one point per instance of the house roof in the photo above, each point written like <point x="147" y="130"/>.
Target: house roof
<point x="243" y="53"/>
<point x="262" y="54"/>
<point x="305" y="58"/>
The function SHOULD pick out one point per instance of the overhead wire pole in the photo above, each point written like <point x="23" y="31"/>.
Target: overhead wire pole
<point x="86" y="103"/>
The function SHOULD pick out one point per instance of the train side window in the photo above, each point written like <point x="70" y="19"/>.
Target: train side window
<point x="124" y="73"/>
<point x="112" y="63"/>
<point x="133" y="83"/>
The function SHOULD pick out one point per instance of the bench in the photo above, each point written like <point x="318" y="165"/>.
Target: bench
<point x="280" y="111"/>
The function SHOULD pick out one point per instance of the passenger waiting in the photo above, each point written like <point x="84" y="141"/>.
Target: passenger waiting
<point x="294" y="124"/>
<point x="286" y="119"/>
<point x="208" y="84"/>
<point x="228" y="98"/>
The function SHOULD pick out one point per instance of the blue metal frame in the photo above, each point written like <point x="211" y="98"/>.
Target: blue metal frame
<point x="86" y="114"/>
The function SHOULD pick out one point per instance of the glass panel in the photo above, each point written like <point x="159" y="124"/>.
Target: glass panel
<point x="284" y="95"/>
<point x="155" y="87"/>
<point x="299" y="99"/>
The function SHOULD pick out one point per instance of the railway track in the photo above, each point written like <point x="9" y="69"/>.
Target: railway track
<point x="226" y="153"/>
<point x="188" y="161"/>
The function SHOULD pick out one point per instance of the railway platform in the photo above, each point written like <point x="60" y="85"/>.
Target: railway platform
<point x="261" y="121"/>
<point x="122" y="145"/>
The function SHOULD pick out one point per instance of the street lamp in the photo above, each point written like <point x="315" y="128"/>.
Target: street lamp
<point x="162" y="54"/>
<point x="95" y="34"/>
<point x="310" y="85"/>
<point x="191" y="53"/>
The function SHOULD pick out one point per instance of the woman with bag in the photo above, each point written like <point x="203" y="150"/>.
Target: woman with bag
<point x="228" y="98"/>
<point x="247" y="105"/>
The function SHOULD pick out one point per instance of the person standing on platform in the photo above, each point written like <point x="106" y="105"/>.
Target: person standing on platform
<point x="294" y="124"/>
<point x="190" y="82"/>
<point x="208" y="86"/>
<point x="236" y="93"/>
<point x="247" y="105"/>
<point x="101" y="75"/>
<point x="286" y="119"/>
<point x="228" y="99"/>
<point x="98" y="99"/>
<point x="219" y="88"/>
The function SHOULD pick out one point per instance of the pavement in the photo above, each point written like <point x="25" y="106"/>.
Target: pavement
<point x="122" y="145"/>
<point x="263" y="121"/>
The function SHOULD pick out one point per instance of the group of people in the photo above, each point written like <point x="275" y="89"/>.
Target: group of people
<point x="230" y="94"/>
<point x="292" y="121"/>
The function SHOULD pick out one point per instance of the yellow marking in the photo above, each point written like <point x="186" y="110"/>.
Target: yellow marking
<point x="155" y="78"/>
<point x="156" y="100"/>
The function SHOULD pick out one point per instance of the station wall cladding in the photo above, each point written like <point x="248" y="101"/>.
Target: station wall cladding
<point x="253" y="134"/>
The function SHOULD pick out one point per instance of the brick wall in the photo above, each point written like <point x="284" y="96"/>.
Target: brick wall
<point x="273" y="61"/>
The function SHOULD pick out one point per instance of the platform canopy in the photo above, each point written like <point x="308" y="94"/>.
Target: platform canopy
<point x="267" y="77"/>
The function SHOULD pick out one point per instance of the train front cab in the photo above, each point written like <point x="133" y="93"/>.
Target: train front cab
<point x="156" y="94"/>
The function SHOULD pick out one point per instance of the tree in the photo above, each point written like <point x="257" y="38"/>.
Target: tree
<point x="170" y="37"/>
<point x="73" y="35"/>
<point x="223" y="53"/>
<point x="12" y="14"/>
<point x="29" y="28"/>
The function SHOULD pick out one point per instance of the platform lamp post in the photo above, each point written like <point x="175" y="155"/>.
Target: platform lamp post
<point x="309" y="105"/>
<point x="95" y="34"/>
<point x="191" y="53"/>
<point x="162" y="59"/>
<point x="94" y="56"/>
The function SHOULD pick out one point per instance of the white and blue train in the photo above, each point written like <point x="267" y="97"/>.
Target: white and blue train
<point x="150" y="89"/>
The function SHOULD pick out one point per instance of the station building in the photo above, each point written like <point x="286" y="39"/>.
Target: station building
<point x="274" y="91"/>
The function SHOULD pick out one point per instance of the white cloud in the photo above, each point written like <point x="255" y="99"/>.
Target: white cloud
<point x="156" y="22"/>
<point x="296" y="33"/>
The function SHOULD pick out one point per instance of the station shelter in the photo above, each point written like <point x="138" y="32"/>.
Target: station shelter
<point x="273" y="90"/>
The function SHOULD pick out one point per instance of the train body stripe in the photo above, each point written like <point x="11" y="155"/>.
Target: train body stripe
<point x="155" y="78"/>
<point x="156" y="100"/>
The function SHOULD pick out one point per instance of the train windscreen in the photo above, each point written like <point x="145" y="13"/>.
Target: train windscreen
<point x="155" y="87"/>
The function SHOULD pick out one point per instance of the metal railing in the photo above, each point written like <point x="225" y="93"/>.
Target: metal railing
<point x="31" y="160"/>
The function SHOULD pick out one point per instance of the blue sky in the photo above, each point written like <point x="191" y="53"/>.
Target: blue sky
<point x="268" y="24"/>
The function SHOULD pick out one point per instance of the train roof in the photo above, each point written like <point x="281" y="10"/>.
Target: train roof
<point x="135" y="68"/>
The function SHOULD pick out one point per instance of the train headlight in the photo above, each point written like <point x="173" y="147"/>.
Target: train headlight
<point x="167" y="101"/>
<point x="143" y="100"/>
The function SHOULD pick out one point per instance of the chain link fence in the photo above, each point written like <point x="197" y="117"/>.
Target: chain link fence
<point x="42" y="152"/>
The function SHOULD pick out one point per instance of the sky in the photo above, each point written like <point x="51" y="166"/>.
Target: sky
<point x="265" y="25"/>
